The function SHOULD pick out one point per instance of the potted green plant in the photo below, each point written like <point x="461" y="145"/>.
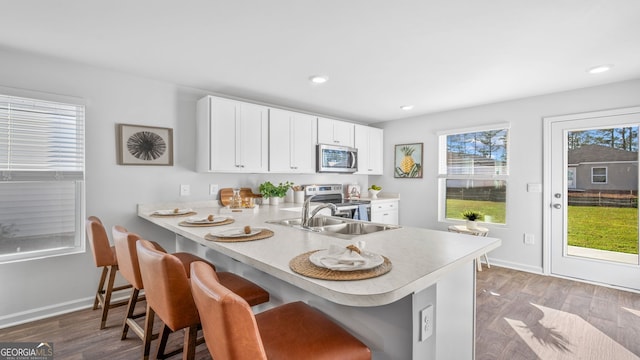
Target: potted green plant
<point x="472" y="216"/>
<point x="266" y="190"/>
<point x="273" y="192"/>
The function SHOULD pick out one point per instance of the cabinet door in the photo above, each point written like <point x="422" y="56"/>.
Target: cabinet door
<point x="223" y="138"/>
<point x="361" y="137"/>
<point x="343" y="133"/>
<point x="335" y="132"/>
<point x="252" y="147"/>
<point x="375" y="151"/>
<point x="279" y="141"/>
<point x="232" y="136"/>
<point x="303" y="140"/>
<point x="292" y="142"/>
<point x="385" y="212"/>
<point x="368" y="141"/>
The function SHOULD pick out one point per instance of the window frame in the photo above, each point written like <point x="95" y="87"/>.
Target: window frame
<point x="606" y="175"/>
<point x="443" y="176"/>
<point x="77" y="178"/>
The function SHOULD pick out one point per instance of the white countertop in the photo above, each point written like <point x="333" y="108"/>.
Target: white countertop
<point x="419" y="256"/>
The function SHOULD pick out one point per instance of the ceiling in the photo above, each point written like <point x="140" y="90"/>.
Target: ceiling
<point x="378" y="54"/>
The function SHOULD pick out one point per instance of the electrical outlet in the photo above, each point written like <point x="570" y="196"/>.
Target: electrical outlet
<point x="528" y="239"/>
<point x="185" y="190"/>
<point x="213" y="190"/>
<point x="426" y="323"/>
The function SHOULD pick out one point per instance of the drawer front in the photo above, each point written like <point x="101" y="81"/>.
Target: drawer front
<point x="385" y="206"/>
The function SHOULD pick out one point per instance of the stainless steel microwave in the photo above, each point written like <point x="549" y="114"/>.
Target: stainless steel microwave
<point x="337" y="159"/>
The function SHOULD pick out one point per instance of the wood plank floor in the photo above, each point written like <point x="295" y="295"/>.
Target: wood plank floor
<point x="527" y="316"/>
<point x="519" y="316"/>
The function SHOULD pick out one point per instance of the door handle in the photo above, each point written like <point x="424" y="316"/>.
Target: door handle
<point x="557" y="206"/>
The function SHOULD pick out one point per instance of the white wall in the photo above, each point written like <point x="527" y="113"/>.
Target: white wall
<point x="419" y="197"/>
<point x="43" y="287"/>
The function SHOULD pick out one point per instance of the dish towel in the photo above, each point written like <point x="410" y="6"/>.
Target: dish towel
<point x="362" y="212"/>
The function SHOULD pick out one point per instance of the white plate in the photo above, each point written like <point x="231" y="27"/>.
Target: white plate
<point x="216" y="219"/>
<point x="236" y="232"/>
<point x="371" y="260"/>
<point x="172" y="212"/>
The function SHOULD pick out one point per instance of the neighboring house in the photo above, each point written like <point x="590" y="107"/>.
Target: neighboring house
<point x="601" y="168"/>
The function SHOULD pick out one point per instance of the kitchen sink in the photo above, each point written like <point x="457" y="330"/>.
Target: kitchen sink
<point x="338" y="227"/>
<point x="356" y="228"/>
<point x="316" y="221"/>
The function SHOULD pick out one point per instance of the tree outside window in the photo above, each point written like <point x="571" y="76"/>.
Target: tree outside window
<point x="473" y="173"/>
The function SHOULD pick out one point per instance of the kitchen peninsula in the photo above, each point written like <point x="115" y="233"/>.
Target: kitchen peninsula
<point x="430" y="270"/>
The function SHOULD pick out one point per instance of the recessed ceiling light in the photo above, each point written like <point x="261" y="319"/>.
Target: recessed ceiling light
<point x="599" y="69"/>
<point x="406" y="107"/>
<point x="318" y="79"/>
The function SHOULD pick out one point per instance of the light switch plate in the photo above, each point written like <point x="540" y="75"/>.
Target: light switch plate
<point x="185" y="190"/>
<point x="213" y="190"/>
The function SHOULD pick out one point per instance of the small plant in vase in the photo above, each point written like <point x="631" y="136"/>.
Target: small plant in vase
<point x="472" y="216"/>
<point x="273" y="192"/>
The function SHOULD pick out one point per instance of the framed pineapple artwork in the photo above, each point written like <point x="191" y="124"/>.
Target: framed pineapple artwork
<point x="408" y="161"/>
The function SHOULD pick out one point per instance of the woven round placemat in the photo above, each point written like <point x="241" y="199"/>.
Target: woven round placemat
<point x="174" y="215"/>
<point x="265" y="233"/>
<point x="303" y="266"/>
<point x="187" y="224"/>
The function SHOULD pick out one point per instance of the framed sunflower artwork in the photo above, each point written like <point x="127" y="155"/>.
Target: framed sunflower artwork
<point x="408" y="161"/>
<point x="144" y="145"/>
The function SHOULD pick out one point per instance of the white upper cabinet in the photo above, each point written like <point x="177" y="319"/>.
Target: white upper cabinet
<point x="292" y="142"/>
<point x="232" y="136"/>
<point x="368" y="141"/>
<point x="335" y="132"/>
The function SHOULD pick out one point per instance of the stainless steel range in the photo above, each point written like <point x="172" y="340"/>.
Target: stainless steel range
<point x="333" y="193"/>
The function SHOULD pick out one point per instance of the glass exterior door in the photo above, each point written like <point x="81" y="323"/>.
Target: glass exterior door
<point x="593" y="198"/>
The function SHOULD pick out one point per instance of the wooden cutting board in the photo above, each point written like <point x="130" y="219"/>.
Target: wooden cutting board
<point x="225" y="194"/>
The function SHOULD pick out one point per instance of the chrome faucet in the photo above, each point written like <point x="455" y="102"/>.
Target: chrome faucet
<point x="306" y="218"/>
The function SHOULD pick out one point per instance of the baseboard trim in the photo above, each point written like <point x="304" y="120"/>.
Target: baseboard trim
<point x="48" y="311"/>
<point x="517" y="266"/>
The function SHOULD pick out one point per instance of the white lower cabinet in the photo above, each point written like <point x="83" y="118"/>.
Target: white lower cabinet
<point x="384" y="211"/>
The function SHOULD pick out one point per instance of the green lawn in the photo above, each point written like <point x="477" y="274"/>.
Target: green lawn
<point x="492" y="208"/>
<point x="595" y="227"/>
<point x="604" y="228"/>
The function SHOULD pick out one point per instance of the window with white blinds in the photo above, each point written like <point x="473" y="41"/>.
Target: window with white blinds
<point x="41" y="178"/>
<point x="473" y="172"/>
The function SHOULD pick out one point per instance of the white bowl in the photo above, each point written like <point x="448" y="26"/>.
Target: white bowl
<point x="373" y="193"/>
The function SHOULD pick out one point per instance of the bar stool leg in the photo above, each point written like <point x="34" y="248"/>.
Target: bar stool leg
<point x="479" y="264"/>
<point x="190" y="338"/>
<point x="106" y="304"/>
<point x="100" y="291"/>
<point x="148" y="332"/>
<point x="130" y="308"/>
<point x="487" y="258"/>
<point x="163" y="343"/>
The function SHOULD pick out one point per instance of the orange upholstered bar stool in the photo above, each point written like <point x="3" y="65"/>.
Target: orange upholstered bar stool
<point x="288" y="332"/>
<point x="104" y="256"/>
<point x="168" y="290"/>
<point x="125" y="243"/>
